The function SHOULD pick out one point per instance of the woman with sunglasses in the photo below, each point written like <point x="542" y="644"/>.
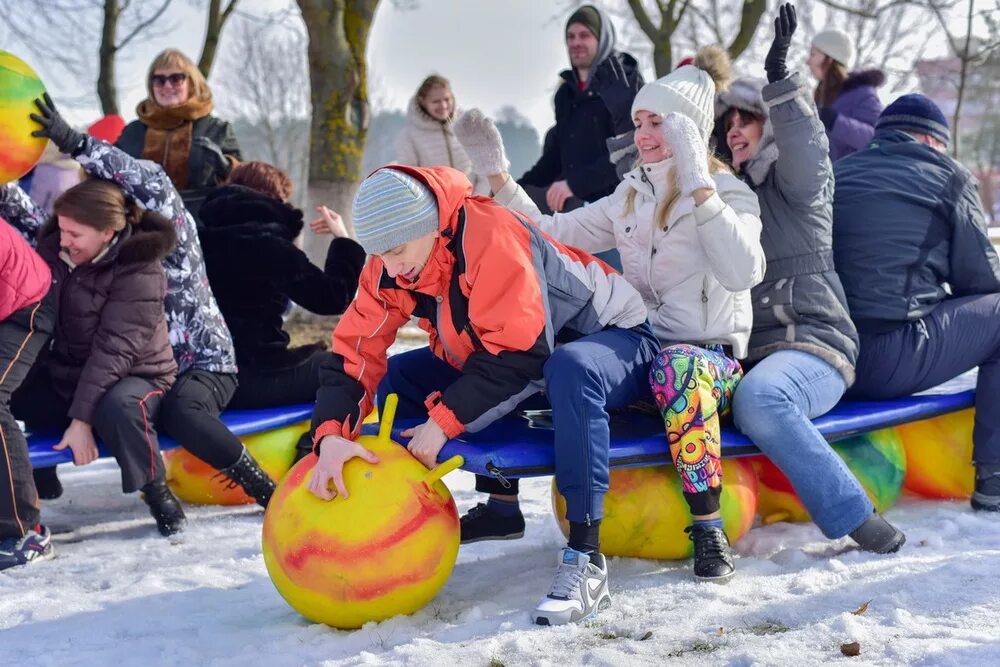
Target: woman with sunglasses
<point x="175" y="128"/>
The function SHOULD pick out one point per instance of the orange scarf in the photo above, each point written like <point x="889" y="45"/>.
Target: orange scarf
<point x="169" y="134"/>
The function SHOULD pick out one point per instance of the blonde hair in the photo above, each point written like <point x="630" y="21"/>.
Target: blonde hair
<point x="175" y="59"/>
<point x="662" y="214"/>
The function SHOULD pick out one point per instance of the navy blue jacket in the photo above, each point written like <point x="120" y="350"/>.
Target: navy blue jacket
<point x="908" y="232"/>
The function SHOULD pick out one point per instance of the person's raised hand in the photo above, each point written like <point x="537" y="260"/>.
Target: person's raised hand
<point x="328" y="222"/>
<point x="482" y="142"/>
<point x="54" y="127"/>
<point x="690" y="151"/>
<point x="784" y="27"/>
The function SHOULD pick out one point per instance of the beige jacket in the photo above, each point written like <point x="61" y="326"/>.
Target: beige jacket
<point x="426" y="142"/>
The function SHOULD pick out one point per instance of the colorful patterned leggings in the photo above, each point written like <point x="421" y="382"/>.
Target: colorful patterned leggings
<point x="693" y="387"/>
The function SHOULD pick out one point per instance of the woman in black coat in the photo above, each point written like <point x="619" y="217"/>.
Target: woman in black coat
<point x="248" y="236"/>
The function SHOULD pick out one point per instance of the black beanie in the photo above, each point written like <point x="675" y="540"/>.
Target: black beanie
<point x="587" y="16"/>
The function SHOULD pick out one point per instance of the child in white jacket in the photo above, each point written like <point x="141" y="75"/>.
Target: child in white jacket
<point x="688" y="232"/>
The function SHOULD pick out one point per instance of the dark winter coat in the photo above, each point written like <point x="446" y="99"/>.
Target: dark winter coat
<point x="203" y="172"/>
<point x="800" y="305"/>
<point x="584" y="121"/>
<point x="24" y="276"/>
<point x="858" y="108"/>
<point x="110" y="321"/>
<point x="256" y="269"/>
<point x="909" y="232"/>
<point x="197" y="331"/>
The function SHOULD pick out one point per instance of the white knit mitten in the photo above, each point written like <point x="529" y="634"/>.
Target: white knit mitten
<point x="482" y="143"/>
<point x="690" y="152"/>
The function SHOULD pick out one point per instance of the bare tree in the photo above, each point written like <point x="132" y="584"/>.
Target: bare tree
<point x="217" y="18"/>
<point x="264" y="73"/>
<point x="106" y="27"/>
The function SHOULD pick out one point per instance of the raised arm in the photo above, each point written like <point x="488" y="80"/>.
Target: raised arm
<point x="20" y="210"/>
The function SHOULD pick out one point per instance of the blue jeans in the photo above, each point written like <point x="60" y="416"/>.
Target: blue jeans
<point x="772" y="406"/>
<point x="583" y="379"/>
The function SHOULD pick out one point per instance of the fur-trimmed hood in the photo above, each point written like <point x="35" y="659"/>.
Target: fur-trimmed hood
<point x="874" y="78"/>
<point x="149" y="240"/>
<point x="416" y="116"/>
<point x="746" y="94"/>
<point x="235" y="209"/>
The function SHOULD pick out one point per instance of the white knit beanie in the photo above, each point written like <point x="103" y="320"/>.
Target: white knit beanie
<point x="687" y="90"/>
<point x="837" y="44"/>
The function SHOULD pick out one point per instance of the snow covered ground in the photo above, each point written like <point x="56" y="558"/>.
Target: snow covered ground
<point x="118" y="594"/>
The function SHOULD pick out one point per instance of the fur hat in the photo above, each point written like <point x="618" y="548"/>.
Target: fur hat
<point x="392" y="208"/>
<point x="835" y="43"/>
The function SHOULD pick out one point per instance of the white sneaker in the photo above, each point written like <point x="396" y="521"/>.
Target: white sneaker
<point x="579" y="590"/>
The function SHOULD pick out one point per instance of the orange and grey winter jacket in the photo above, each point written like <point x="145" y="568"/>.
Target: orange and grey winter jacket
<point x="496" y="296"/>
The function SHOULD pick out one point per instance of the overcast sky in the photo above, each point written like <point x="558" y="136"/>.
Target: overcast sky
<point x="495" y="53"/>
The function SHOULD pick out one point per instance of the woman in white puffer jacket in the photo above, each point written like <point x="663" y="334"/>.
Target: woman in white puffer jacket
<point x="688" y="232"/>
<point x="428" y="139"/>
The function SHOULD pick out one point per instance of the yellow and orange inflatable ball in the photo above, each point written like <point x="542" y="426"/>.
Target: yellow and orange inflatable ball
<point x="877" y="460"/>
<point x="385" y="550"/>
<point x="939" y="456"/>
<point x="645" y="513"/>
<point x="198" y="483"/>
<point x="19" y="86"/>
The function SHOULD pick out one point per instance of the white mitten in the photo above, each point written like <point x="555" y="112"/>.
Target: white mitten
<point x="690" y="153"/>
<point x="482" y="143"/>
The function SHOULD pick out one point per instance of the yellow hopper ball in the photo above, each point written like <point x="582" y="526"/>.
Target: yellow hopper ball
<point x="385" y="550"/>
<point x="645" y="513"/>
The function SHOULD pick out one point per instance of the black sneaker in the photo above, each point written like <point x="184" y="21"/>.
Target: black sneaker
<point x="878" y="535"/>
<point x="480" y="524"/>
<point x="33" y="546"/>
<point x="164" y="507"/>
<point x="713" y="560"/>
<point x="47" y="483"/>
<point x="986" y="497"/>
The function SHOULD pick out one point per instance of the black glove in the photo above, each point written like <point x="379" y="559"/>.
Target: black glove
<point x="214" y="156"/>
<point x="829" y="116"/>
<point x="784" y="28"/>
<point x="66" y="139"/>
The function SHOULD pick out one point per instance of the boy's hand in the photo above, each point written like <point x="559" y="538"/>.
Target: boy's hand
<point x="426" y="442"/>
<point x="79" y="437"/>
<point x="333" y="454"/>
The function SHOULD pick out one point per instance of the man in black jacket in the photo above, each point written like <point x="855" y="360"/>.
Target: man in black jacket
<point x="921" y="277"/>
<point x="591" y="105"/>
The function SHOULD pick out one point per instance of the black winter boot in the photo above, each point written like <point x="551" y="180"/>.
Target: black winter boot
<point x="878" y="535"/>
<point x="47" y="483"/>
<point x="248" y="474"/>
<point x="164" y="507"/>
<point x="713" y="560"/>
<point x="986" y="497"/>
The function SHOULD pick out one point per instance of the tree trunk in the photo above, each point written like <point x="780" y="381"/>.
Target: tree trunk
<point x="663" y="56"/>
<point x="750" y="17"/>
<point x="217" y="18"/>
<point x="107" y="92"/>
<point x="338" y="37"/>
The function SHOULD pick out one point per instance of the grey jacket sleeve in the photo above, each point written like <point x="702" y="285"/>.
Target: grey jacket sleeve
<point x="803" y="171"/>
<point x="21" y="211"/>
<point x="975" y="268"/>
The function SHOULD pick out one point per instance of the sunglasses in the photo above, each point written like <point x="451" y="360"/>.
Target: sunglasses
<point x="173" y="79"/>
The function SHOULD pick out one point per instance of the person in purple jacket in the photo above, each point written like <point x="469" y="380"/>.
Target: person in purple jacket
<point x="848" y="102"/>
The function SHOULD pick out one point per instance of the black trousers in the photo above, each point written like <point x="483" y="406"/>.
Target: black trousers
<point x="22" y="337"/>
<point x="261" y="387"/>
<point x="957" y="336"/>
<point x="190" y="416"/>
<point x="124" y="420"/>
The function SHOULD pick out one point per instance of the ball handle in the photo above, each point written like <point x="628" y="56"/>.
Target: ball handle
<point x="443" y="469"/>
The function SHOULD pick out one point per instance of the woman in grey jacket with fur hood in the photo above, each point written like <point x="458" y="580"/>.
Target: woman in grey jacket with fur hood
<point x="803" y="345"/>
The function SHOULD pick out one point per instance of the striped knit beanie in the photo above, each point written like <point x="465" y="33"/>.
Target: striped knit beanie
<point x="392" y="208"/>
